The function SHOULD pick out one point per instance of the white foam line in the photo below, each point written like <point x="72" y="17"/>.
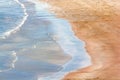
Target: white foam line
<point x="6" y="34"/>
<point x="12" y="65"/>
<point x="15" y="59"/>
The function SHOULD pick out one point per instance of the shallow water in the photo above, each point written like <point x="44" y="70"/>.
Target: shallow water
<point x="10" y="15"/>
<point x="38" y="45"/>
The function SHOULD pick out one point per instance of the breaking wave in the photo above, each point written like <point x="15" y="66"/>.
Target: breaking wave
<point x="6" y="34"/>
<point x="11" y="56"/>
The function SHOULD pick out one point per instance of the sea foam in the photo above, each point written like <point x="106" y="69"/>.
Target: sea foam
<point x="8" y="33"/>
<point x="11" y="64"/>
<point x="8" y="63"/>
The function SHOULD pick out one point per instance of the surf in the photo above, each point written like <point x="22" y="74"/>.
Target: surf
<point x="10" y="65"/>
<point x="62" y="33"/>
<point x="8" y="33"/>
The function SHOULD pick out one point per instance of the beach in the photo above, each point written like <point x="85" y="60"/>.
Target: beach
<point x="97" y="24"/>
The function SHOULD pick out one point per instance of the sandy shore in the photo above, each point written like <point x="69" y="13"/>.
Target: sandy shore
<point x="97" y="23"/>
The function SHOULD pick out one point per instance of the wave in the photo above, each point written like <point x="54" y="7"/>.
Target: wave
<point x="8" y="33"/>
<point x="10" y="64"/>
<point x="15" y="59"/>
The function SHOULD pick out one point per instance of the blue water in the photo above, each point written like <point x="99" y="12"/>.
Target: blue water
<point x="10" y="15"/>
<point x="35" y="45"/>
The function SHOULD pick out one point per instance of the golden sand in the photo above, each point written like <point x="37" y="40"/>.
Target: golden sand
<point x="97" y="23"/>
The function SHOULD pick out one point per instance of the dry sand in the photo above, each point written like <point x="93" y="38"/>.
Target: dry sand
<point x="97" y="23"/>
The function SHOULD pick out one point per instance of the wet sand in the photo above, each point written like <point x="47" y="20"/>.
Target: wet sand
<point x="96" y="23"/>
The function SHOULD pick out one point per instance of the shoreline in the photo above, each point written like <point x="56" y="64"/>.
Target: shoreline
<point x="66" y="39"/>
<point x="96" y="28"/>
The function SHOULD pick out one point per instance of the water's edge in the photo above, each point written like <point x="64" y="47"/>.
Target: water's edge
<point x="65" y="37"/>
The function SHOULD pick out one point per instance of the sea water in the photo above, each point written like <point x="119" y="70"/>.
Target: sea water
<point x="35" y="45"/>
<point x="10" y="15"/>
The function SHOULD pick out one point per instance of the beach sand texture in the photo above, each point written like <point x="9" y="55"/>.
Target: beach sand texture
<point x="97" y="23"/>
